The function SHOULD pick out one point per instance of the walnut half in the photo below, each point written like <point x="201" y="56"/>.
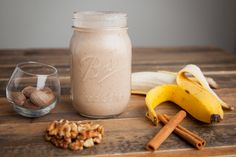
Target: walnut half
<point x="74" y="135"/>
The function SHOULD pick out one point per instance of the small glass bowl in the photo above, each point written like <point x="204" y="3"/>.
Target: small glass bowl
<point x="33" y="89"/>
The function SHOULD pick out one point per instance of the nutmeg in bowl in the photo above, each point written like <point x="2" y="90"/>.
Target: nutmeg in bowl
<point x="33" y="89"/>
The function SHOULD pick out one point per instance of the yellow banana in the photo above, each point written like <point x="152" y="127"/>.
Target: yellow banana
<point x="198" y="102"/>
<point x="191" y="93"/>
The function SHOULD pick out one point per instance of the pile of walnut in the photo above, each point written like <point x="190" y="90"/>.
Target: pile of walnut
<point x="33" y="98"/>
<point x="74" y="135"/>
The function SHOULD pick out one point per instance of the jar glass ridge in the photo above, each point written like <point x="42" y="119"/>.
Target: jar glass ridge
<point x="103" y="20"/>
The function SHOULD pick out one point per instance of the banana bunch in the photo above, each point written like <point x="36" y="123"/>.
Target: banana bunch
<point x="191" y="93"/>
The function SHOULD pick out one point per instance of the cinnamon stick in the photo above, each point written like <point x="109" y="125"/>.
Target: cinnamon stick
<point x="184" y="133"/>
<point x="162" y="135"/>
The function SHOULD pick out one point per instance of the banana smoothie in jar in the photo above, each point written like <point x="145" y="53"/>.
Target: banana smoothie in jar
<point x="101" y="64"/>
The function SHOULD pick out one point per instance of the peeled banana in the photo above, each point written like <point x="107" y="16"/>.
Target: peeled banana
<point x="142" y="82"/>
<point x="196" y="97"/>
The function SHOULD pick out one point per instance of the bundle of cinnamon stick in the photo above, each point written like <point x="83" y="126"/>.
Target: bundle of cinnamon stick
<point x="172" y="124"/>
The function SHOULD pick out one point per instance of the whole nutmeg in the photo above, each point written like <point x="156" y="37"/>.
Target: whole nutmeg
<point x="41" y="98"/>
<point x="18" y="98"/>
<point x="28" y="104"/>
<point x="28" y="90"/>
<point x="47" y="90"/>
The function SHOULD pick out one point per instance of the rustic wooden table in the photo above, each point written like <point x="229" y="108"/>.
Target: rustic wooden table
<point x="127" y="134"/>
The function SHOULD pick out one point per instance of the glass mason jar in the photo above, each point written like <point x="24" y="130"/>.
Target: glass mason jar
<point x="101" y="64"/>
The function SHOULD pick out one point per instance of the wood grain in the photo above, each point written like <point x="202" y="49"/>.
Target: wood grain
<point x="126" y="134"/>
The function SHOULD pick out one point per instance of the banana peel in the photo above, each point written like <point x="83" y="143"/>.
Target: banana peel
<point x="194" y="70"/>
<point x="142" y="82"/>
<point x="193" y="95"/>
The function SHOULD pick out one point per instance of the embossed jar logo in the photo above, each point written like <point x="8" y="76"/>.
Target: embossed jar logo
<point x="98" y="69"/>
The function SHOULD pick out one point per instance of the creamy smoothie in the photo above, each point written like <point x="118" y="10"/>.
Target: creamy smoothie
<point x="101" y="66"/>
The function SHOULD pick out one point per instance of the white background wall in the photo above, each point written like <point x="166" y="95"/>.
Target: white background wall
<point x="152" y="23"/>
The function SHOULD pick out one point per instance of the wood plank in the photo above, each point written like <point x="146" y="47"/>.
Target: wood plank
<point x="223" y="79"/>
<point x="148" y="59"/>
<point x="135" y="109"/>
<point x="205" y="67"/>
<point x="63" y="51"/>
<point x="213" y="151"/>
<point x="151" y="56"/>
<point x="209" y="69"/>
<point x="33" y="52"/>
<point x="120" y="137"/>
